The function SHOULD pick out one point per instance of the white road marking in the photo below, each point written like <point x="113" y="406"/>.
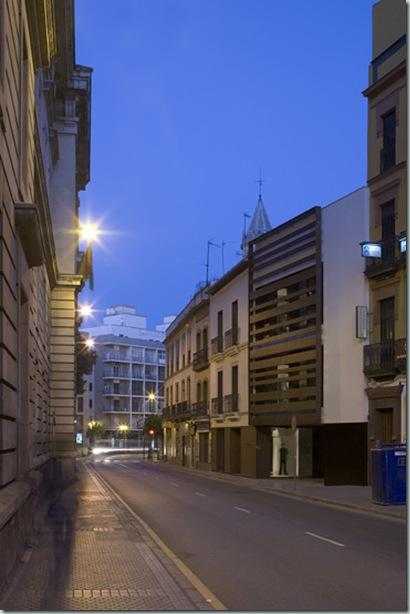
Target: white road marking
<point x="242" y="509"/>
<point x="200" y="494"/>
<point x="174" y="484"/>
<point x="123" y="465"/>
<point x="325" y="539"/>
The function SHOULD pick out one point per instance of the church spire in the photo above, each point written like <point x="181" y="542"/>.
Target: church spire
<point x="259" y="223"/>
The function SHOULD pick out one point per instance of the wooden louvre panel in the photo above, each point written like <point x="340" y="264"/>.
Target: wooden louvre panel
<point x="285" y="317"/>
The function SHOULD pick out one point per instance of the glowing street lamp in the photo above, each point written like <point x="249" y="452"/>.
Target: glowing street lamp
<point x="152" y="396"/>
<point x="85" y="310"/>
<point x="89" y="232"/>
<point x="89" y="343"/>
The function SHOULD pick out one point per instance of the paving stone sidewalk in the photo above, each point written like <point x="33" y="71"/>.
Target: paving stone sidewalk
<point x="92" y="554"/>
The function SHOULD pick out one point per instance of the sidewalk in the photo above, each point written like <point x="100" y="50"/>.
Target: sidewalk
<point x="93" y="554"/>
<point x="357" y="498"/>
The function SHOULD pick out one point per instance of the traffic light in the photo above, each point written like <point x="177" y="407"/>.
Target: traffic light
<point x="151" y="432"/>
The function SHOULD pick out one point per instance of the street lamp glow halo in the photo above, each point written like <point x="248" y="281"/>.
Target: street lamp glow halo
<point x="85" y="310"/>
<point x="89" y="343"/>
<point x="89" y="232"/>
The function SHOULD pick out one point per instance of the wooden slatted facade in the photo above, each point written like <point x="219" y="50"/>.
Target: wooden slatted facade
<point x="285" y="317"/>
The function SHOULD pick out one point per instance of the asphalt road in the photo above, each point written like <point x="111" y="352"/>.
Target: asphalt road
<point x="260" y="551"/>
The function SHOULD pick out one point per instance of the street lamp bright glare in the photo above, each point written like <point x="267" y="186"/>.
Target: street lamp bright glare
<point x="89" y="343"/>
<point x="89" y="232"/>
<point x="85" y="310"/>
<point x="151" y="396"/>
<point x="123" y="428"/>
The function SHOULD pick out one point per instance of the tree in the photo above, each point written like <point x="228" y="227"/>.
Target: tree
<point x="95" y="429"/>
<point x="85" y="360"/>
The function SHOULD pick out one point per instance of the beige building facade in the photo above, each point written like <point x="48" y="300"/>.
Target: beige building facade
<point x="186" y="421"/>
<point x="229" y="380"/>
<point x="385" y="355"/>
<point x="44" y="163"/>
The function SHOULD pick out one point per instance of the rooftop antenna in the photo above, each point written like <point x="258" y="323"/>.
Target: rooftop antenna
<point x="260" y="181"/>
<point x="210" y="242"/>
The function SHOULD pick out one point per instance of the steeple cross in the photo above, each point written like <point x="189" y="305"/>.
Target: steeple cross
<point x="260" y="181"/>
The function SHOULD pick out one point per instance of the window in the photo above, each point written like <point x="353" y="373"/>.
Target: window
<point x="388" y="230"/>
<point x="220" y="331"/>
<point x="235" y="322"/>
<point x="183" y="390"/>
<point x="137" y="388"/>
<point x="198" y="341"/>
<point x="205" y="338"/>
<point x="188" y="389"/>
<point x="388" y="153"/>
<point x="387" y="319"/>
<point x="235" y="381"/>
<point x="80" y="405"/>
<point x="90" y="404"/>
<point x="198" y="392"/>
<point x="116" y="388"/>
<point x="177" y="393"/>
<point x="220" y="391"/>
<point x="205" y="390"/>
<point x="90" y="387"/>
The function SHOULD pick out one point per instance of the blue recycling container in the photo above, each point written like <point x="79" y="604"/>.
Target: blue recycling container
<point x="389" y="474"/>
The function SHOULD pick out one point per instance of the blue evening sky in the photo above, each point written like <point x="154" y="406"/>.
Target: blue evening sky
<point x="190" y="98"/>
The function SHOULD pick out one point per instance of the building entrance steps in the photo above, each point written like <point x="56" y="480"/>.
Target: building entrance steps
<point x="357" y="498"/>
<point x="91" y="553"/>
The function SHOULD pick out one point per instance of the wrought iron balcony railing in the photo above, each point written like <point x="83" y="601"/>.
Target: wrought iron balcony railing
<point x="231" y="403"/>
<point x="200" y="360"/>
<point x="384" y="359"/>
<point x="388" y="263"/>
<point x="199" y="409"/>
<point x="231" y="337"/>
<point x="217" y="406"/>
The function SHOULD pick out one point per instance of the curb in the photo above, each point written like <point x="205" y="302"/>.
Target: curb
<point x="274" y="491"/>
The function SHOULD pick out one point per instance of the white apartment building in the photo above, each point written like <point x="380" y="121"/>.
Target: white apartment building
<point x="127" y="381"/>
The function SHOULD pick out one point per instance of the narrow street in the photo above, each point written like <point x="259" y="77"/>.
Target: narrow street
<point x="260" y="551"/>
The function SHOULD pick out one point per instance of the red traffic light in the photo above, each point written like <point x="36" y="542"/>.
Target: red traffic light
<point x="151" y="432"/>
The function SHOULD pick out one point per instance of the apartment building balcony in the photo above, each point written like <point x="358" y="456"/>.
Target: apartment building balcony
<point x="387" y="264"/>
<point x="111" y="374"/>
<point x="387" y="158"/>
<point x="199" y="409"/>
<point x="169" y="412"/>
<point x="217" y="407"/>
<point x="114" y="392"/>
<point x="231" y="404"/>
<point x="231" y="340"/>
<point x="115" y="357"/>
<point x="217" y="345"/>
<point x="183" y="410"/>
<point x="201" y="360"/>
<point x="116" y="410"/>
<point x="385" y="359"/>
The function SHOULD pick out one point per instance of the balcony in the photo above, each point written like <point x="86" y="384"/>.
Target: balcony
<point x="200" y="361"/>
<point x="111" y="374"/>
<point x="387" y="264"/>
<point x="231" y="338"/>
<point x="384" y="359"/>
<point x="217" y="406"/>
<point x="217" y="345"/>
<point x="115" y="392"/>
<point x="183" y="409"/>
<point x="169" y="412"/>
<point x="387" y="158"/>
<point x="113" y="356"/>
<point x="231" y="403"/>
<point x="199" y="409"/>
<point x="116" y="410"/>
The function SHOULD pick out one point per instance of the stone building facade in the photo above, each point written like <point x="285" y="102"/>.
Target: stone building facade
<point x="44" y="163"/>
<point x="385" y="357"/>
